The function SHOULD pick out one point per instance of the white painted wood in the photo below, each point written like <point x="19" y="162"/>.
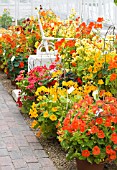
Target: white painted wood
<point x="15" y="94"/>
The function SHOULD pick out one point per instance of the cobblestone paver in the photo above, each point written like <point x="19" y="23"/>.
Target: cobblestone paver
<point x="19" y="147"/>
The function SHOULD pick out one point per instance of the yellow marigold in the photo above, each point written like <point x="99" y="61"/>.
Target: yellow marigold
<point x="100" y="82"/>
<point x="54" y="109"/>
<point x="53" y="117"/>
<point x="45" y="114"/>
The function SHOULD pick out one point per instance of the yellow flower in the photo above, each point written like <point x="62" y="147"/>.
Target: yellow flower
<point x="87" y="89"/>
<point x="54" y="98"/>
<point x="45" y="114"/>
<point x="90" y="68"/>
<point x="53" y="117"/>
<point x="108" y="94"/>
<point x="56" y="73"/>
<point x="39" y="98"/>
<point x="34" y="123"/>
<point x="95" y="70"/>
<point x="100" y="82"/>
<point x="54" y="109"/>
<point x="41" y="89"/>
<point x="33" y="113"/>
<point x="36" y="44"/>
<point x="64" y="83"/>
<point x="38" y="134"/>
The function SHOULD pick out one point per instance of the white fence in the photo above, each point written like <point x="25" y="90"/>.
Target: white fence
<point x="87" y="9"/>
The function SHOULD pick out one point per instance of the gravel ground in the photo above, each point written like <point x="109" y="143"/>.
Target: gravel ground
<point x="52" y="147"/>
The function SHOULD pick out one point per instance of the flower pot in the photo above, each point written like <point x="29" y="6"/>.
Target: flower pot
<point x="84" y="165"/>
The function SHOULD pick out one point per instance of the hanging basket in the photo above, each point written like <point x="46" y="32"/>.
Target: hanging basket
<point x="84" y="165"/>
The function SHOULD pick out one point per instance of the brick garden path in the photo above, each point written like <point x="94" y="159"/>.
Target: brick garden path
<point x="19" y="148"/>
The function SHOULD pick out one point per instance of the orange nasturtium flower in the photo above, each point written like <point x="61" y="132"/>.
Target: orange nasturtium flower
<point x="96" y="150"/>
<point x="21" y="65"/>
<point x="100" y="19"/>
<point x="113" y="76"/>
<point x="85" y="153"/>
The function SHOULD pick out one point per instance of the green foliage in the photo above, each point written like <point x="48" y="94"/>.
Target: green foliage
<point x="5" y="19"/>
<point x="115" y="1"/>
<point x="14" y="67"/>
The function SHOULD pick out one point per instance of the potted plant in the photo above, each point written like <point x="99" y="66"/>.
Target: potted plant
<point x="89" y="132"/>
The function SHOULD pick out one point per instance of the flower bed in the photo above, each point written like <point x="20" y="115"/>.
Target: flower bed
<point x="73" y="100"/>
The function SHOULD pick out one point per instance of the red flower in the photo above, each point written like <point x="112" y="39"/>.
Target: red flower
<point x="108" y="122"/>
<point x="99" y="120"/>
<point x="66" y="121"/>
<point x="113" y="76"/>
<point x="79" y="81"/>
<point x="101" y="134"/>
<point x="75" y="124"/>
<point x="96" y="150"/>
<point x="85" y="153"/>
<point x="98" y="26"/>
<point x="112" y="155"/>
<point x="19" y="103"/>
<point x="72" y="51"/>
<point x="108" y="149"/>
<point x="114" y="138"/>
<point x="70" y="43"/>
<point x="94" y="129"/>
<point x="57" y="58"/>
<point x="100" y="19"/>
<point x="74" y="64"/>
<point x="21" y="64"/>
<point x="52" y="66"/>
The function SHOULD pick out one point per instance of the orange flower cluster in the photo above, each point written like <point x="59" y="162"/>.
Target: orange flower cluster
<point x="92" y="121"/>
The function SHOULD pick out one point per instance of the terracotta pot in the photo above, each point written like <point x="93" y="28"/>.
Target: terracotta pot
<point x="84" y="165"/>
